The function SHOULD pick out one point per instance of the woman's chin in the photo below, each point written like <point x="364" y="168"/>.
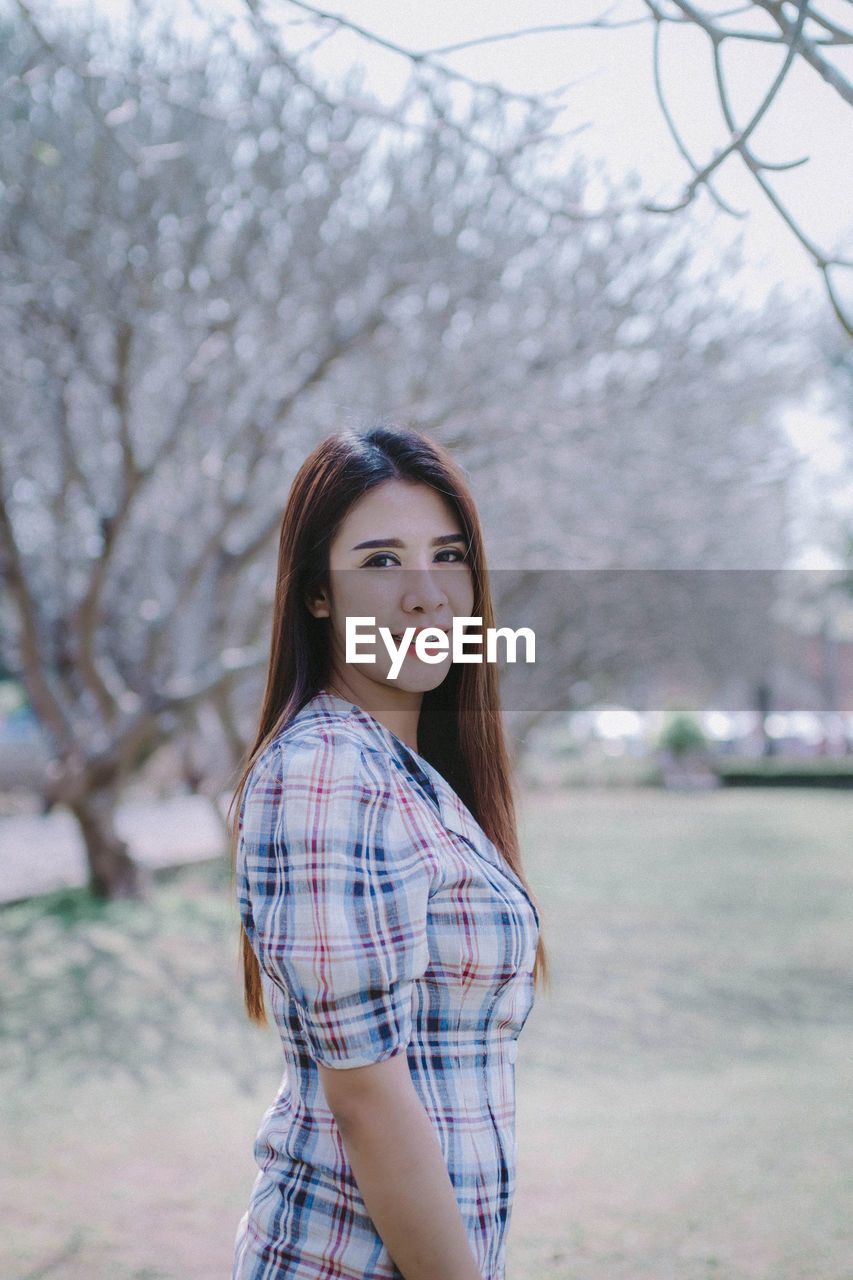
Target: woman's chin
<point x="416" y="676"/>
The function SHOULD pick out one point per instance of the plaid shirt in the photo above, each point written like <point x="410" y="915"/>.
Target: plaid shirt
<point x="383" y="920"/>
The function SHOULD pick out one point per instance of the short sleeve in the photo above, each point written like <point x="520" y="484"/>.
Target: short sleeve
<point x="335" y="895"/>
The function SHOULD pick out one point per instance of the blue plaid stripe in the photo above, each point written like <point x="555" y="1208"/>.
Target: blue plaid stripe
<point x="384" y="920"/>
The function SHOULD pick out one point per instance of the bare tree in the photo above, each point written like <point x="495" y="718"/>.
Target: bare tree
<point x="207" y="263"/>
<point x="813" y="34"/>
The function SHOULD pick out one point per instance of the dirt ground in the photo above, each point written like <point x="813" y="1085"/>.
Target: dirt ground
<point x="683" y="1092"/>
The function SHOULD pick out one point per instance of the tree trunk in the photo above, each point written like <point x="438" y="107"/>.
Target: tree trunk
<point x="112" y="871"/>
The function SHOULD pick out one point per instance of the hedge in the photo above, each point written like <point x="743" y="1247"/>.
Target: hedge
<point x="785" y="771"/>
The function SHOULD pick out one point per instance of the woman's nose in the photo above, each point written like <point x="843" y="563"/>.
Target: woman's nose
<point x="423" y="591"/>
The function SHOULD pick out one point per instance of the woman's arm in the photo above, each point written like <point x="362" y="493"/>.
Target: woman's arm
<point x="400" y="1171"/>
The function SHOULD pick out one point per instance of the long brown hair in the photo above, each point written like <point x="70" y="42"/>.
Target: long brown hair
<point x="460" y="730"/>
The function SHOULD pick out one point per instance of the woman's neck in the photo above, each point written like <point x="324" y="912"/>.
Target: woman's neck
<point x="397" y="710"/>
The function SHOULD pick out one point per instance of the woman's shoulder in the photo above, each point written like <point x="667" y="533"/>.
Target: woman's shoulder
<point x="326" y="772"/>
<point x="319" y="745"/>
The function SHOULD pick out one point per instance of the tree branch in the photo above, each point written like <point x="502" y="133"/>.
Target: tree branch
<point x="739" y="137"/>
<point x="600" y="23"/>
<point x="679" y="141"/>
<point x="808" y="49"/>
<point x="416" y="58"/>
<point x="87" y="614"/>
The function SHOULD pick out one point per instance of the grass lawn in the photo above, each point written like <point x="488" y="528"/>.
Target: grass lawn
<point x="684" y="1091"/>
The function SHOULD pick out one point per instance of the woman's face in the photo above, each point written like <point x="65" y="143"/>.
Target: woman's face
<point x="398" y="557"/>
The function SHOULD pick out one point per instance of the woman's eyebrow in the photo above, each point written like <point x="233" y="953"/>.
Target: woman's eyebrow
<point x="440" y="541"/>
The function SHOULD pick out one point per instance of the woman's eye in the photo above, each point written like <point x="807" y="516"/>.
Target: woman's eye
<point x="380" y="561"/>
<point x="385" y="560"/>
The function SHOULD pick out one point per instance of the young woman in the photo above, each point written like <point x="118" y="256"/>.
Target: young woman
<point x="385" y="915"/>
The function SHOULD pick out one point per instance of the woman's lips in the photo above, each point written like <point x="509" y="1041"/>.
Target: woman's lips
<point x="431" y="646"/>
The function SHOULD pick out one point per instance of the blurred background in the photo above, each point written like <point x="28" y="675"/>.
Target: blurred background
<point x="603" y="256"/>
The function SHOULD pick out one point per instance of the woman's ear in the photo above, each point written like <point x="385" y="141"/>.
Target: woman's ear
<point x="317" y="604"/>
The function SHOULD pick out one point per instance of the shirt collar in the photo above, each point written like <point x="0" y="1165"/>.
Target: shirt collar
<point x="454" y="814"/>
